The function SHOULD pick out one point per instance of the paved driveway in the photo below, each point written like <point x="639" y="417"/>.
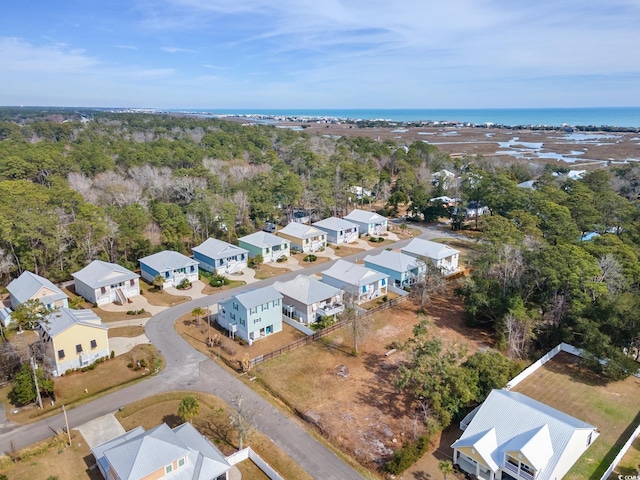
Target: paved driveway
<point x="101" y="429"/>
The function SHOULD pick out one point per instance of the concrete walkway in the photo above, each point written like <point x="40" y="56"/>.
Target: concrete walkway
<point x="247" y="275"/>
<point x="137" y="303"/>
<point x="197" y="286"/>
<point x="122" y="345"/>
<point x="101" y="429"/>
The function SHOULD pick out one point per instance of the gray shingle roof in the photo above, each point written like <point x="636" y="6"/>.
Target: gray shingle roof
<point x="167" y="260"/>
<point x="362" y="216"/>
<point x="263" y="239"/>
<point x="306" y="290"/>
<point x="426" y="248"/>
<point x="508" y="421"/>
<point x="99" y="274"/>
<point x="299" y="230"/>
<point x="27" y="285"/>
<point x="335" y="224"/>
<point x="217" y="249"/>
<point x="64" y="318"/>
<point x="393" y="260"/>
<point x="353" y="274"/>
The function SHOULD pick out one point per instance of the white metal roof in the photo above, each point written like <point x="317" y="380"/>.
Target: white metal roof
<point x="335" y="224"/>
<point x="425" y="248"/>
<point x="167" y="260"/>
<point x="27" y="285"/>
<point x="60" y="320"/>
<point x="353" y="274"/>
<point x="540" y="432"/>
<point x="258" y="296"/>
<point x="306" y="290"/>
<point x="396" y="261"/>
<point x="216" y="249"/>
<point x="362" y="216"/>
<point x="263" y="240"/>
<point x="300" y="230"/>
<point x="98" y="274"/>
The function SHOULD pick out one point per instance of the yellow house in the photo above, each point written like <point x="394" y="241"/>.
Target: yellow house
<point x="73" y="339"/>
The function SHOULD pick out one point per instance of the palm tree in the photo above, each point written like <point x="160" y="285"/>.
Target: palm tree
<point x="158" y="282"/>
<point x="189" y="408"/>
<point x="197" y="313"/>
<point x="446" y="467"/>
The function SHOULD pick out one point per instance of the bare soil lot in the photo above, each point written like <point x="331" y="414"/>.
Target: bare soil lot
<point x="351" y="400"/>
<point x="612" y="407"/>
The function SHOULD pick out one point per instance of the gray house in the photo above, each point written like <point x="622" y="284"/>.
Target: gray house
<point x="216" y="256"/>
<point x="29" y="286"/>
<point x="361" y="282"/>
<point x="403" y="270"/>
<point x="442" y="256"/>
<point x="369" y="223"/>
<point x="338" y="230"/>
<point x="103" y="282"/>
<point x="307" y="299"/>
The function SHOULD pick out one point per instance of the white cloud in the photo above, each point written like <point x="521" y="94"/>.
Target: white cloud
<point x="18" y="55"/>
<point x="175" y="50"/>
<point x="126" y="47"/>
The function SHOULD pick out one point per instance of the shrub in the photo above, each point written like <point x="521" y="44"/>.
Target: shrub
<point x="218" y="280"/>
<point x="310" y="258"/>
<point x="143" y="363"/>
<point x="113" y="353"/>
<point x="407" y="456"/>
<point x="129" y="365"/>
<point x="282" y="259"/>
<point x="185" y="283"/>
<point x="84" y="369"/>
<point x="91" y="367"/>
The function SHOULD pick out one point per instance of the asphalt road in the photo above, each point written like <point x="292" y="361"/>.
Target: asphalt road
<point x="188" y="369"/>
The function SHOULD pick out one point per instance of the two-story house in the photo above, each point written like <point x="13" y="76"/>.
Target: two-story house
<point x="172" y="266"/>
<point x="103" y="282"/>
<point x="30" y="286"/>
<point x="270" y="247"/>
<point x="369" y="223"/>
<point x="362" y="283"/>
<point x="403" y="270"/>
<point x="304" y="238"/>
<point x="307" y="299"/>
<point x="217" y="256"/>
<point x="442" y="256"/>
<point x="338" y="230"/>
<point x="252" y="315"/>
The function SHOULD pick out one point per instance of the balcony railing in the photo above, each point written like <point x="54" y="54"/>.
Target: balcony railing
<point x="519" y="472"/>
<point x="328" y="310"/>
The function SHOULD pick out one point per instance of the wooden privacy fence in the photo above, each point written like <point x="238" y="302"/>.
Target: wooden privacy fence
<point x="325" y="331"/>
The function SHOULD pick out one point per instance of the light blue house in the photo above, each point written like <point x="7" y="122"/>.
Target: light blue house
<point x="174" y="267"/>
<point x="269" y="246"/>
<point x="216" y="256"/>
<point x="338" y="230"/>
<point x="252" y="315"/>
<point x="403" y="270"/>
<point x="29" y="286"/>
<point x="369" y="223"/>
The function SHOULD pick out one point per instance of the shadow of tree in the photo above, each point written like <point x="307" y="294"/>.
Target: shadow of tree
<point x="172" y="420"/>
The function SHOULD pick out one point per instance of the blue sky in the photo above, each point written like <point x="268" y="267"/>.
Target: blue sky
<point x="320" y="53"/>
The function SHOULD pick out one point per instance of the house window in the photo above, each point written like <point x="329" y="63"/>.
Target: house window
<point x="181" y="462"/>
<point x="79" y="348"/>
<point x="167" y="275"/>
<point x="94" y="344"/>
<point x="242" y="322"/>
<point x="61" y="356"/>
<point x="235" y="306"/>
<point x="103" y="290"/>
<point x="132" y="282"/>
<point x="253" y="310"/>
<point x="233" y="316"/>
<point x="168" y="469"/>
<point x="221" y="262"/>
<point x="384" y="282"/>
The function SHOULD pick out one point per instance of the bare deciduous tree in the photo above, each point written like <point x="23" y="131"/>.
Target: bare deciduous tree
<point x="518" y="333"/>
<point x="243" y="418"/>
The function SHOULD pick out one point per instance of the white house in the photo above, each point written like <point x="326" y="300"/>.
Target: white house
<point x="172" y="266"/>
<point x="308" y="299"/>
<point x="304" y="238"/>
<point x="369" y="223"/>
<point x="363" y="283"/>
<point x="403" y="270"/>
<point x="216" y="256"/>
<point x="511" y="436"/>
<point x="103" y="282"/>
<point x="338" y="230"/>
<point x="29" y="286"/>
<point x="443" y="256"/>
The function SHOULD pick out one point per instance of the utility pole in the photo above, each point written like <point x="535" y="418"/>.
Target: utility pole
<point x="35" y="379"/>
<point x="66" y="422"/>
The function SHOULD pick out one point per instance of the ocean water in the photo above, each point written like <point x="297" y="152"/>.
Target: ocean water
<point x="601" y="116"/>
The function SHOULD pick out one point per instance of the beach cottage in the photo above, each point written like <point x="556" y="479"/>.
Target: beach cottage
<point x="338" y="230"/>
<point x="172" y="266"/>
<point x="103" y="282"/>
<point x="442" y="256"/>
<point x="304" y="238"/>
<point x="29" y="286"/>
<point x="403" y="270"/>
<point x="269" y="246"/>
<point x="252" y="315"/>
<point x="369" y="223"/>
<point x="308" y="300"/>
<point x="73" y="339"/>
<point x="362" y="283"/>
<point x="220" y="257"/>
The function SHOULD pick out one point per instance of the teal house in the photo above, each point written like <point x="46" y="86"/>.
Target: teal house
<point x="270" y="246"/>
